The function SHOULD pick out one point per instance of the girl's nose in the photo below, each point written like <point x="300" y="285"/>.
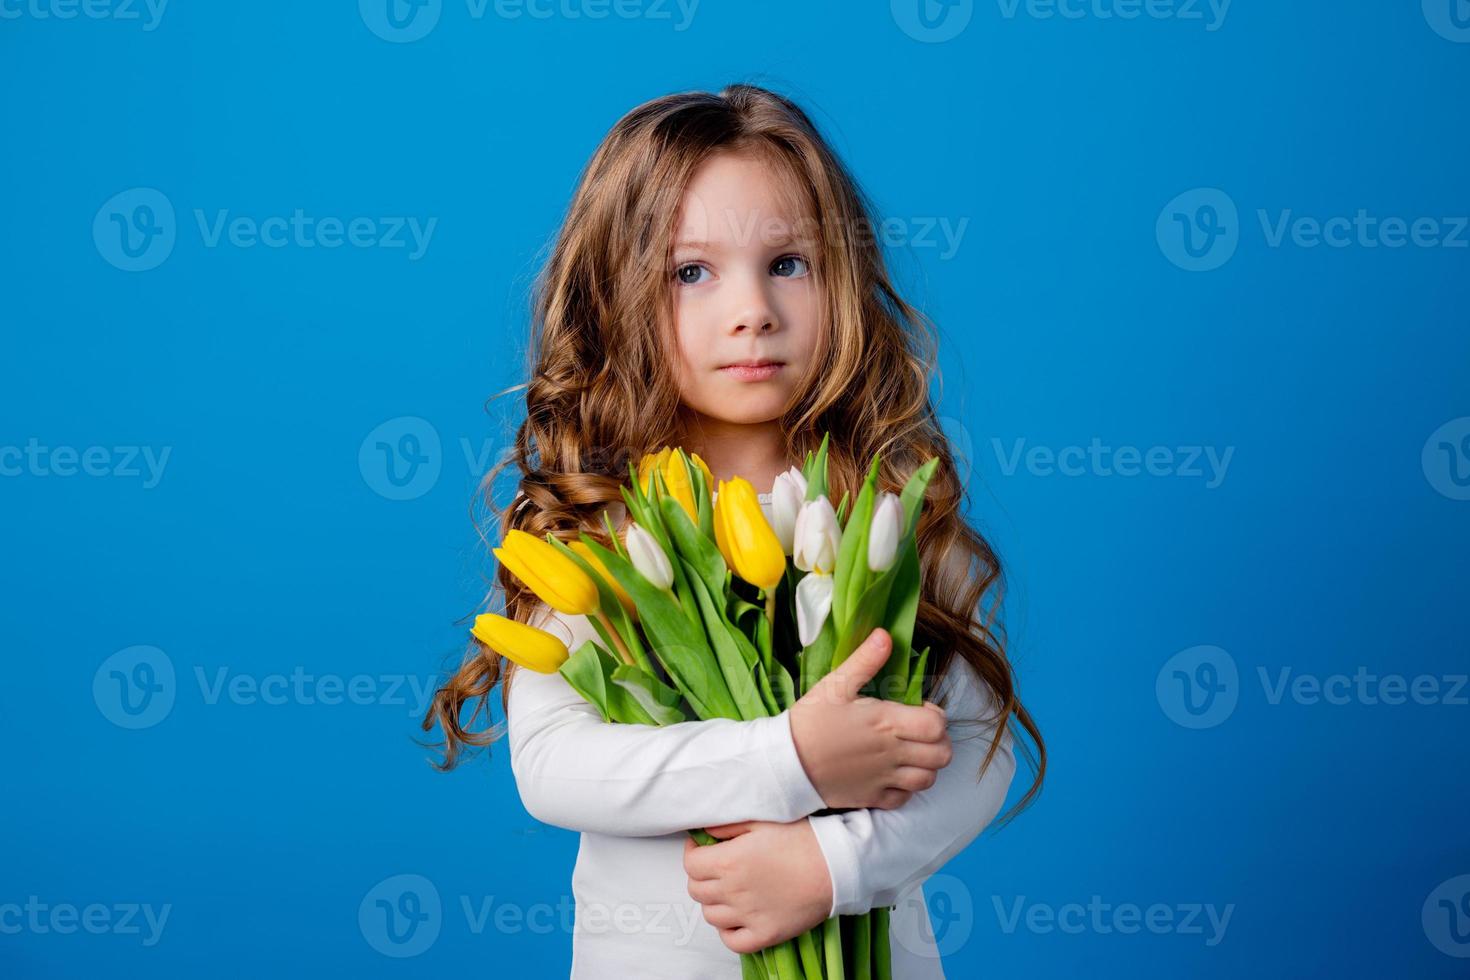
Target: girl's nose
<point x="754" y="314"/>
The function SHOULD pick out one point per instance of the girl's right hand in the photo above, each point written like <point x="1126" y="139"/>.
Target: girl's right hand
<point x="866" y="752"/>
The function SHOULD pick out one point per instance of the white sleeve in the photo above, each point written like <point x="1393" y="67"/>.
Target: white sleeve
<point x="873" y="855"/>
<point x="575" y="770"/>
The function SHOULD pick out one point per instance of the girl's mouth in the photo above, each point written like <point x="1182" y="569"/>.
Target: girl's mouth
<point x="753" y="370"/>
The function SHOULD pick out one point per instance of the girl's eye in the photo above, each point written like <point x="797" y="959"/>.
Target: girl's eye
<point x="790" y="267"/>
<point x="690" y="273"/>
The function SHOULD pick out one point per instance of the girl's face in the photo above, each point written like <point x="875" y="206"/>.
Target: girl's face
<point x="745" y="295"/>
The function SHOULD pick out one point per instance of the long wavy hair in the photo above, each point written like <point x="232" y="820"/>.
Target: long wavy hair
<point x="603" y="387"/>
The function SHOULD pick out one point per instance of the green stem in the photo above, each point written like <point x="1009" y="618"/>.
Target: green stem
<point x="832" y="948"/>
<point x="882" y="945"/>
<point x="806" y="944"/>
<point x="788" y="967"/>
<point x="862" y="947"/>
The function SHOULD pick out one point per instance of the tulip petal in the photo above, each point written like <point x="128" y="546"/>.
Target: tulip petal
<point x="526" y="645"/>
<point x="813" y="604"/>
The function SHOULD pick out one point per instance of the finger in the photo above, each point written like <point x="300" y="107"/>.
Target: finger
<point x="727" y="830"/>
<point x="892" y="799"/>
<point x="698" y="864"/>
<point x="918" y="724"/>
<point x="742" y="940"/>
<point x="912" y="778"/>
<point x="722" y="917"/>
<point x="706" y="892"/>
<point x="860" y="666"/>
<point x="927" y="755"/>
<point x="935" y="707"/>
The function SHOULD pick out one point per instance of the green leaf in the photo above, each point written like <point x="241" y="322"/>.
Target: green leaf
<point x="816" y="660"/>
<point x="850" y="577"/>
<point x="900" y="616"/>
<point x="912" y="497"/>
<point x="583" y="670"/>
<point x="679" y="644"/>
<point x="867" y="615"/>
<point x="732" y="664"/>
<point x="782" y="686"/>
<point x="915" y="693"/>
<point x="608" y="600"/>
<point x="698" y="550"/>
<point x="763" y="685"/>
<point x="815" y="471"/>
<point x="657" y="699"/>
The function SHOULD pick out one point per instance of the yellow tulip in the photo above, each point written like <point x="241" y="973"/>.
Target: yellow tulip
<point x="581" y="548"/>
<point x="556" y="579"/>
<point x="745" y="537"/>
<point x="669" y="463"/>
<point x="526" y="645"/>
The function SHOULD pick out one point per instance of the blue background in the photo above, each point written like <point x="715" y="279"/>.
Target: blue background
<point x="272" y="545"/>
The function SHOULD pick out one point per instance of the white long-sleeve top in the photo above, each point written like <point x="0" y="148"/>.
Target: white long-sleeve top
<point x="633" y="790"/>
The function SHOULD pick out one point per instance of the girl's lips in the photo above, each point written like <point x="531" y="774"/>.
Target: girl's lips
<point x="746" y="372"/>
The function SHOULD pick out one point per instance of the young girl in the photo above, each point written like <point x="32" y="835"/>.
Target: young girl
<point x="716" y="285"/>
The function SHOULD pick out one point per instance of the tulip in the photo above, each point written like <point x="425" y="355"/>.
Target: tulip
<point x="581" y="548"/>
<point x="556" y="579"/>
<point x="525" y="645"/>
<point x="883" y="533"/>
<point x="649" y="558"/>
<point x="788" y="494"/>
<point x="744" y="536"/>
<point x="670" y="463"/>
<point x="813" y="604"/>
<point x="817" y="537"/>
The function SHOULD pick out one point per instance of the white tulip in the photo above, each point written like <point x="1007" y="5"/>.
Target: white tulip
<point x="817" y="537"/>
<point x="883" y="533"/>
<point x="788" y="493"/>
<point x="648" y="557"/>
<point x="813" y="604"/>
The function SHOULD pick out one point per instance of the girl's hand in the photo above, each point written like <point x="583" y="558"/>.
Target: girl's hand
<point x="867" y="752"/>
<point x="762" y="884"/>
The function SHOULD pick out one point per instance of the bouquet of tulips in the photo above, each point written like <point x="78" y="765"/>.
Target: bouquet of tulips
<point x="706" y="609"/>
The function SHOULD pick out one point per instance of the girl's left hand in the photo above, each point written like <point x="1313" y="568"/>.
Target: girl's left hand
<point x="762" y="884"/>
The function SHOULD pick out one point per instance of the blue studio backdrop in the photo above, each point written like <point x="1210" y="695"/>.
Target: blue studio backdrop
<point x="1200" y="271"/>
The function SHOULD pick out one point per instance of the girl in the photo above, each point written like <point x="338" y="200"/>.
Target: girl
<point x="716" y="285"/>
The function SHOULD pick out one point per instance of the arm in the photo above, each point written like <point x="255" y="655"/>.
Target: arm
<point x="576" y="771"/>
<point x="873" y="855"/>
